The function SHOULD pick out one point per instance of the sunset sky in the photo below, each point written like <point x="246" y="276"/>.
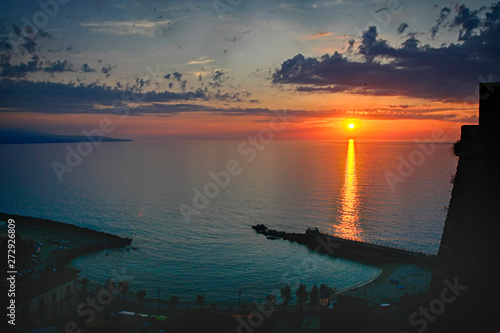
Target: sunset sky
<point x="222" y="69"/>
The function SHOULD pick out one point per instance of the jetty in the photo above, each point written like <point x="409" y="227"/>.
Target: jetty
<point x="352" y="249"/>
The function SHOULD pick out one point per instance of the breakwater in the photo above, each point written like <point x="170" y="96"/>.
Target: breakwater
<point x="352" y="249"/>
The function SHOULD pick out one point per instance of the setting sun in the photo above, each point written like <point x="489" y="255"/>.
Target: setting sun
<point x="351" y="124"/>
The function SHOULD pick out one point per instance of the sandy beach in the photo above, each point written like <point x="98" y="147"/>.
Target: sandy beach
<point x="411" y="279"/>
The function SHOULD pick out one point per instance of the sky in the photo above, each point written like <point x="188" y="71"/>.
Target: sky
<point x="224" y="69"/>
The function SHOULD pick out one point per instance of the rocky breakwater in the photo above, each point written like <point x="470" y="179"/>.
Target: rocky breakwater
<point x="351" y="249"/>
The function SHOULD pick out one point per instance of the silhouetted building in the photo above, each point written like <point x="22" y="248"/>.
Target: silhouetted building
<point x="465" y="292"/>
<point x="47" y="300"/>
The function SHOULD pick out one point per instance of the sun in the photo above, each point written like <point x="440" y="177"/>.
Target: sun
<point x="351" y="124"/>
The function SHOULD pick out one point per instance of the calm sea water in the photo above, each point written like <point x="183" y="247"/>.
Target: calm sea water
<point x="134" y="190"/>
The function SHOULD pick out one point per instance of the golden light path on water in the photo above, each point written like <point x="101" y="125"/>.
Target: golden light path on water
<point x="348" y="225"/>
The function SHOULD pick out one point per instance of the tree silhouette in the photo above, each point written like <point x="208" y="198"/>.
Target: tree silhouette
<point x="271" y="298"/>
<point x="141" y="295"/>
<point x="313" y="295"/>
<point x="286" y="295"/>
<point x="301" y="295"/>
<point x="125" y="286"/>
<point x="85" y="283"/>
<point x="270" y="302"/>
<point x="326" y="291"/>
<point x="174" y="300"/>
<point x="200" y="299"/>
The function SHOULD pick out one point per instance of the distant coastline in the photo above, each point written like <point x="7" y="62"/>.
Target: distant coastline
<point x="23" y="137"/>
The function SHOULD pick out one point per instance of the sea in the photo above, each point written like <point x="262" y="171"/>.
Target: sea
<point x="189" y="207"/>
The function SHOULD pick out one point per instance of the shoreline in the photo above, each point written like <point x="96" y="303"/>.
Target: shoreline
<point x="377" y="290"/>
<point x="412" y="279"/>
<point x="62" y="242"/>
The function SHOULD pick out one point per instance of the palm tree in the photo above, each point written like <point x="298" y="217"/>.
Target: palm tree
<point x="200" y="299"/>
<point x="271" y="298"/>
<point x="141" y="295"/>
<point x="85" y="283"/>
<point x="286" y="295"/>
<point x="270" y="302"/>
<point x="174" y="300"/>
<point x="159" y="299"/>
<point x="313" y="295"/>
<point x="301" y="295"/>
<point x="125" y="286"/>
<point x="326" y="291"/>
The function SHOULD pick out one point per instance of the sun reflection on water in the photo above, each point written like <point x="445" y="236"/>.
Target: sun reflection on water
<point x="348" y="224"/>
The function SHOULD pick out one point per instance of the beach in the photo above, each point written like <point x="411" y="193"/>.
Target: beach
<point x="411" y="279"/>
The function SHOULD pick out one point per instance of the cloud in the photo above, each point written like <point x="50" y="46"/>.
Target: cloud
<point x="23" y="40"/>
<point x="21" y="70"/>
<point x="320" y="34"/>
<point x="87" y="69"/>
<point x="445" y="73"/>
<point x="133" y="28"/>
<point x="106" y="70"/>
<point x="443" y="15"/>
<point x="200" y="61"/>
<point x="52" y="97"/>
<point x="402" y="27"/>
<point x="58" y="67"/>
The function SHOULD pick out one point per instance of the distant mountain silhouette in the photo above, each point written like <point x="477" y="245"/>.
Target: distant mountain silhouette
<point x="25" y="137"/>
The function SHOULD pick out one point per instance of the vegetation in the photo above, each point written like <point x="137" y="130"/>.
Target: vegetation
<point x="286" y="295"/>
<point x="314" y="295"/>
<point x="124" y="286"/>
<point x="326" y="291"/>
<point x="85" y="283"/>
<point x="200" y="299"/>
<point x="174" y="300"/>
<point x="302" y="296"/>
<point x="141" y="295"/>
<point x="457" y="146"/>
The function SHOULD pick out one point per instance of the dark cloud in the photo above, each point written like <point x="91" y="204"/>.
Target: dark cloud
<point x="23" y="40"/>
<point x="58" y="67"/>
<point x="52" y="97"/>
<point x="447" y="73"/>
<point x="8" y="70"/>
<point x="218" y="79"/>
<point x="87" y="69"/>
<point x="177" y="76"/>
<point x="106" y="70"/>
<point x="443" y="15"/>
<point x="402" y="27"/>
